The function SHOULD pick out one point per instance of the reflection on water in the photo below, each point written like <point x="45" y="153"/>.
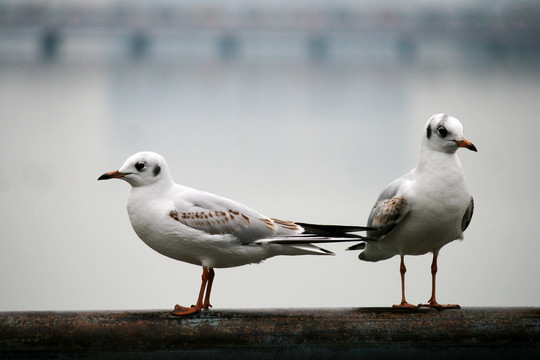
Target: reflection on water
<point x="306" y="141"/>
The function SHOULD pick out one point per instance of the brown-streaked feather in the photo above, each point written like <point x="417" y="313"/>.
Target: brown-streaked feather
<point x="213" y="222"/>
<point x="386" y="214"/>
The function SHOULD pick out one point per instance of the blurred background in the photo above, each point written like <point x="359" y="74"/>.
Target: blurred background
<point x="303" y="110"/>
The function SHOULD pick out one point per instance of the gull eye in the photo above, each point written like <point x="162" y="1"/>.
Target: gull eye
<point x="442" y="131"/>
<point x="140" y="166"/>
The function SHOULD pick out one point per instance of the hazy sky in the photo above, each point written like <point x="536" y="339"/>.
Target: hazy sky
<point x="302" y="143"/>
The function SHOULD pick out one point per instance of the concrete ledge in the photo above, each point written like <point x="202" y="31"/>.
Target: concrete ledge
<point x="289" y="333"/>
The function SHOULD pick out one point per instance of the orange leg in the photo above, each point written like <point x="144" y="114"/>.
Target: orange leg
<point x="207" y="278"/>
<point x="404" y="304"/>
<point x="211" y="275"/>
<point x="432" y="303"/>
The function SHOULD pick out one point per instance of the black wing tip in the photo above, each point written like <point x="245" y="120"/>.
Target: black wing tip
<point x="306" y="241"/>
<point x="299" y="240"/>
<point x="360" y="246"/>
<point x="327" y="252"/>
<point x="332" y="230"/>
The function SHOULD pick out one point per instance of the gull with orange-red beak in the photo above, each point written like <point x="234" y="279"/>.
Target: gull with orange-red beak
<point x="426" y="208"/>
<point x="208" y="230"/>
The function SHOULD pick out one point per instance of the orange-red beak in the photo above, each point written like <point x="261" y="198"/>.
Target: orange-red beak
<point x="466" y="144"/>
<point x="112" y="175"/>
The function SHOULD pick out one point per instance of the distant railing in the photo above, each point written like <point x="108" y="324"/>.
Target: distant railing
<point x="491" y="333"/>
<point x="465" y="20"/>
<point x="498" y="31"/>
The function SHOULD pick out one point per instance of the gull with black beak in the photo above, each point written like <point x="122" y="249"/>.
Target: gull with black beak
<point x="426" y="208"/>
<point x="208" y="230"/>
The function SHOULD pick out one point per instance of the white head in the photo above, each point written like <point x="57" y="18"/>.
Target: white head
<point x="142" y="169"/>
<point x="444" y="133"/>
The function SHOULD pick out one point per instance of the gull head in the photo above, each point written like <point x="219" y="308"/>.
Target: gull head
<point x="444" y="133"/>
<point x="142" y="169"/>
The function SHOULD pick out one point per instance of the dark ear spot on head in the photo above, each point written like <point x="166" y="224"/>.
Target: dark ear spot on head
<point x="428" y="131"/>
<point x="157" y="170"/>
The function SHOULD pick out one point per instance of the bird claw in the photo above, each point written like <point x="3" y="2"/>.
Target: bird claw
<point x="182" y="310"/>
<point x="405" y="305"/>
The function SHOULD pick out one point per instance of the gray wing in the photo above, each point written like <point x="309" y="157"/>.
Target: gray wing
<point x="217" y="215"/>
<point x="386" y="215"/>
<point x="389" y="210"/>
<point x="467" y="217"/>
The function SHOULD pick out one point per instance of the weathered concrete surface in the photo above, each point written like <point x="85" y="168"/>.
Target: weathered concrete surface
<point x="265" y="334"/>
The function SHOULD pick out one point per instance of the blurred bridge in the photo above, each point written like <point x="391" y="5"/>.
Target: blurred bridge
<point x="232" y="31"/>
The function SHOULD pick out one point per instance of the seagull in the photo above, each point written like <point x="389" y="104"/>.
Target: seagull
<point x="426" y="208"/>
<point x="208" y="230"/>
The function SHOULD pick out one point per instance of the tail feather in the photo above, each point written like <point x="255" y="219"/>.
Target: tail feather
<point x="303" y="239"/>
<point x="360" y="246"/>
<point x="332" y="230"/>
<point x="307" y="241"/>
<point x="301" y="236"/>
<point x="312" y="249"/>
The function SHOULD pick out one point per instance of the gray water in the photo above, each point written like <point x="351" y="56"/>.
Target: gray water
<point x="293" y="139"/>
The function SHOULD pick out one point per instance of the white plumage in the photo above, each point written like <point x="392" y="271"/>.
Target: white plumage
<point x="204" y="229"/>
<point x="428" y="207"/>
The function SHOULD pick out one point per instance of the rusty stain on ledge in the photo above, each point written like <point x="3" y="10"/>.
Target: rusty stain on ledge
<point x="299" y="333"/>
